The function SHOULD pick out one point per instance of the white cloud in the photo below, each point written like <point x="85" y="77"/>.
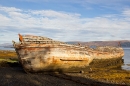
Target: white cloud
<point x="4" y="20"/>
<point x="126" y="14"/>
<point x="48" y="13"/>
<point x="10" y="9"/>
<point x="62" y="25"/>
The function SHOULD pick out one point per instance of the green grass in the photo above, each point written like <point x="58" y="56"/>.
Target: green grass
<point x="8" y="60"/>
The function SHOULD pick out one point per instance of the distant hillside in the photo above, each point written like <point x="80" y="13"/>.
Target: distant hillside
<point x="122" y="43"/>
<point x="125" y="44"/>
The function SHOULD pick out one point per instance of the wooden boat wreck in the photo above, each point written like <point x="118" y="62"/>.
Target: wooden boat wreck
<point x="37" y="54"/>
<point x="106" y="56"/>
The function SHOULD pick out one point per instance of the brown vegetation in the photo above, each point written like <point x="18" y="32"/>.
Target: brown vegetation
<point x="8" y="58"/>
<point x="7" y="54"/>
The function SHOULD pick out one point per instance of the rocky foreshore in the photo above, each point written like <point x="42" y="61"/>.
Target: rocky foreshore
<point x="13" y="75"/>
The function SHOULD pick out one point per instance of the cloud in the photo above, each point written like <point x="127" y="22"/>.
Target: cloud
<point x="126" y="14"/>
<point x="64" y="26"/>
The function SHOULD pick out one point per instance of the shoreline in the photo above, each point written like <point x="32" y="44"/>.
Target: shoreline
<point x="109" y="75"/>
<point x="98" y="77"/>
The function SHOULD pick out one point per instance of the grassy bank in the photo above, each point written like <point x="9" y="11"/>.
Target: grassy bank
<point x="8" y="58"/>
<point x="7" y="54"/>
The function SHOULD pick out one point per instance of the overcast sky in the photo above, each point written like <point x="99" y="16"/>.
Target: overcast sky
<point x="65" y="20"/>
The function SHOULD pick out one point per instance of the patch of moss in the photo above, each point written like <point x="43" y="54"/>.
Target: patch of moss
<point x="8" y="63"/>
<point x="109" y="75"/>
<point x="8" y="60"/>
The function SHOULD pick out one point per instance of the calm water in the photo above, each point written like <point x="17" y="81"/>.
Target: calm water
<point x="126" y="57"/>
<point x="6" y="48"/>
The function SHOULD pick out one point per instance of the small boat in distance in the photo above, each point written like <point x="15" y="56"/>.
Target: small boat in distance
<point x="41" y="54"/>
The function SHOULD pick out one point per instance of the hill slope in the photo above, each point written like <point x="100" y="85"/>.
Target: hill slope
<point x="122" y="43"/>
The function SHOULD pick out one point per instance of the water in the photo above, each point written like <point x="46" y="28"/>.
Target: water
<point x="126" y="58"/>
<point x="6" y="48"/>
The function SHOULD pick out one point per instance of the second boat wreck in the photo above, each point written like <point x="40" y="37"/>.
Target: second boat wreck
<point x="37" y="54"/>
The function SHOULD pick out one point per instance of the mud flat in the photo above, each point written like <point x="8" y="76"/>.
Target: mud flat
<point x="102" y="73"/>
<point x="15" y="76"/>
<point x="12" y="74"/>
<point x="105" y="76"/>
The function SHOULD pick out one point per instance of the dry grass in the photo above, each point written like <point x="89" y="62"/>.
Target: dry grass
<point x="7" y="58"/>
<point x="8" y="54"/>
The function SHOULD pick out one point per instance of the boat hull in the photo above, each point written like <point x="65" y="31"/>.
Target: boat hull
<point x="107" y="57"/>
<point x="42" y="59"/>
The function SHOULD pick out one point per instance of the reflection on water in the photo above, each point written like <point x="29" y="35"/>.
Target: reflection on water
<point x="126" y="58"/>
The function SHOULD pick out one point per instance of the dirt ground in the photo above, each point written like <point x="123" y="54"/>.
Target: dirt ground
<point x="15" y="76"/>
